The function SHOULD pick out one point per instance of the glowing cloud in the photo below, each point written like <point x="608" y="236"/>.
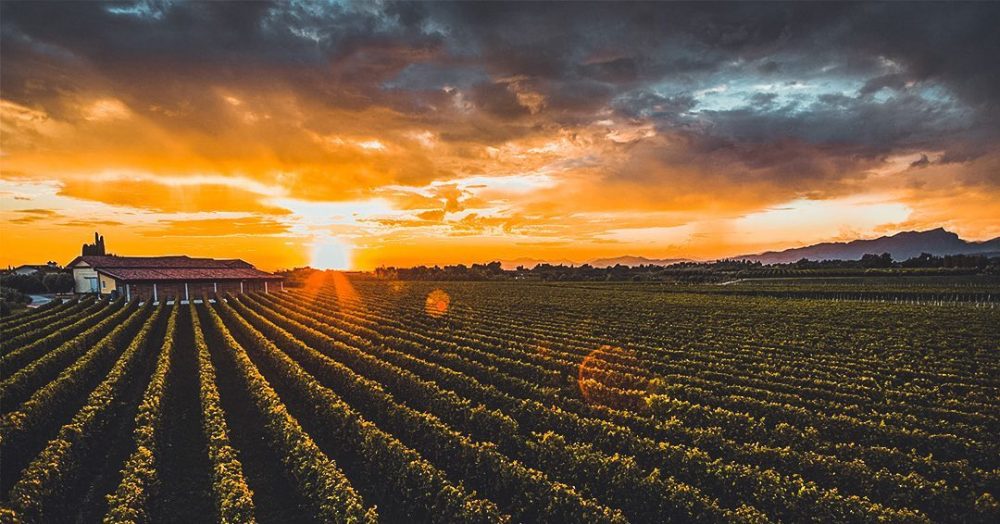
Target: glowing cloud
<point x="463" y="133"/>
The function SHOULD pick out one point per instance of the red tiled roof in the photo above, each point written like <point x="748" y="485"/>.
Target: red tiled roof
<point x="165" y="262"/>
<point x="179" y="267"/>
<point x="136" y="274"/>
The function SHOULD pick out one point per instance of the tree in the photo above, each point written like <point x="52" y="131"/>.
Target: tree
<point x="12" y="299"/>
<point x="876" y="261"/>
<point x="23" y="283"/>
<point x="58" y="282"/>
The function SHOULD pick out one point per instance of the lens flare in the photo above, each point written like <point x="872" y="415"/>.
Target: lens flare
<point x="610" y="376"/>
<point x="313" y="284"/>
<point x="437" y="303"/>
<point x="347" y="297"/>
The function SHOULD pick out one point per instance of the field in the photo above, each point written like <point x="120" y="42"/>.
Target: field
<point x="365" y="401"/>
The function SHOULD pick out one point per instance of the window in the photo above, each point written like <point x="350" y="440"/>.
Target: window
<point x="104" y="283"/>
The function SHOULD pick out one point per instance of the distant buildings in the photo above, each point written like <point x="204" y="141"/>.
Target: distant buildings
<point x="31" y="269"/>
<point x="165" y="277"/>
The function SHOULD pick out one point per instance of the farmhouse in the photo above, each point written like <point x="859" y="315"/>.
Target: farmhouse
<point x="163" y="278"/>
<point x="168" y="277"/>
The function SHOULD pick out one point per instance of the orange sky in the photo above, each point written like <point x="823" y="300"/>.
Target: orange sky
<point x="401" y="151"/>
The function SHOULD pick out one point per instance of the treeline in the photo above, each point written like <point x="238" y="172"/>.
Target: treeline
<point x="491" y="271"/>
<point x="52" y="282"/>
<point x="14" y="289"/>
<point x="698" y="272"/>
<point x="925" y="260"/>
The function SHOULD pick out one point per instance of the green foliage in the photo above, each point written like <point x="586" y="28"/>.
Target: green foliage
<point x="535" y="497"/>
<point x="27" y="284"/>
<point x="573" y="402"/>
<point x="33" y="336"/>
<point x="14" y="297"/>
<point x="26" y="340"/>
<point x="51" y="353"/>
<point x="58" y="282"/>
<point x="233" y="497"/>
<point x="26" y="315"/>
<point x="23" y="424"/>
<point x="318" y="477"/>
<point x="130" y="501"/>
<point x="58" y="463"/>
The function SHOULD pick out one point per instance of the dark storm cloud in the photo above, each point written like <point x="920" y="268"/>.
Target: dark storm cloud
<point x="906" y="121"/>
<point x="631" y="48"/>
<point x="894" y="81"/>
<point x="169" y="52"/>
<point x="498" y="99"/>
<point x="847" y="79"/>
<point x="647" y="104"/>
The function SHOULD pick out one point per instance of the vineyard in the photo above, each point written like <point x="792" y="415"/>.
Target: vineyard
<point x="371" y="401"/>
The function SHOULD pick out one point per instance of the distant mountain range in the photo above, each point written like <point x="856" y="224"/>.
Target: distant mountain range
<point x="901" y="246"/>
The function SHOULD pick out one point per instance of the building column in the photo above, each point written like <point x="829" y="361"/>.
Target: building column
<point x="265" y="288"/>
<point x="215" y="287"/>
<point x="241" y="286"/>
<point x="282" y="285"/>
<point x="128" y="293"/>
<point x="154" y="293"/>
<point x="186" y="292"/>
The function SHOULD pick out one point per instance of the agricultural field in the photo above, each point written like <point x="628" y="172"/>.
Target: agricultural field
<point x="372" y="401"/>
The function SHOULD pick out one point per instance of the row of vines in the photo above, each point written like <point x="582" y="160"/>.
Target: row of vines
<point x="361" y="401"/>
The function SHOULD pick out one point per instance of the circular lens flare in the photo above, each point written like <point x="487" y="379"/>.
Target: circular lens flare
<point x="437" y="303"/>
<point x="609" y="376"/>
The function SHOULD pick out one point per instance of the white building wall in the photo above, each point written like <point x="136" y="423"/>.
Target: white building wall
<point x="83" y="275"/>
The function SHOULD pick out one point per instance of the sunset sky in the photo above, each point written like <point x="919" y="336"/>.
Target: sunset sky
<point x="357" y="135"/>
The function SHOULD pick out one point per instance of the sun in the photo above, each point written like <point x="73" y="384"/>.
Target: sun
<point x="330" y="253"/>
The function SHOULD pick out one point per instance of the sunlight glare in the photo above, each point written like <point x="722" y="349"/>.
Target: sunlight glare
<point x="347" y="297"/>
<point x="330" y="253"/>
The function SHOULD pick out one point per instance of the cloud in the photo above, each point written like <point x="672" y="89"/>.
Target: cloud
<point x="498" y="99"/>
<point x="215" y="227"/>
<point x="37" y="212"/>
<point x="91" y="223"/>
<point x="169" y="198"/>
<point x="30" y="216"/>
<point x="25" y="220"/>
<point x="106" y="109"/>
<point x="923" y="161"/>
<point x="434" y="215"/>
<point x="616" y="107"/>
